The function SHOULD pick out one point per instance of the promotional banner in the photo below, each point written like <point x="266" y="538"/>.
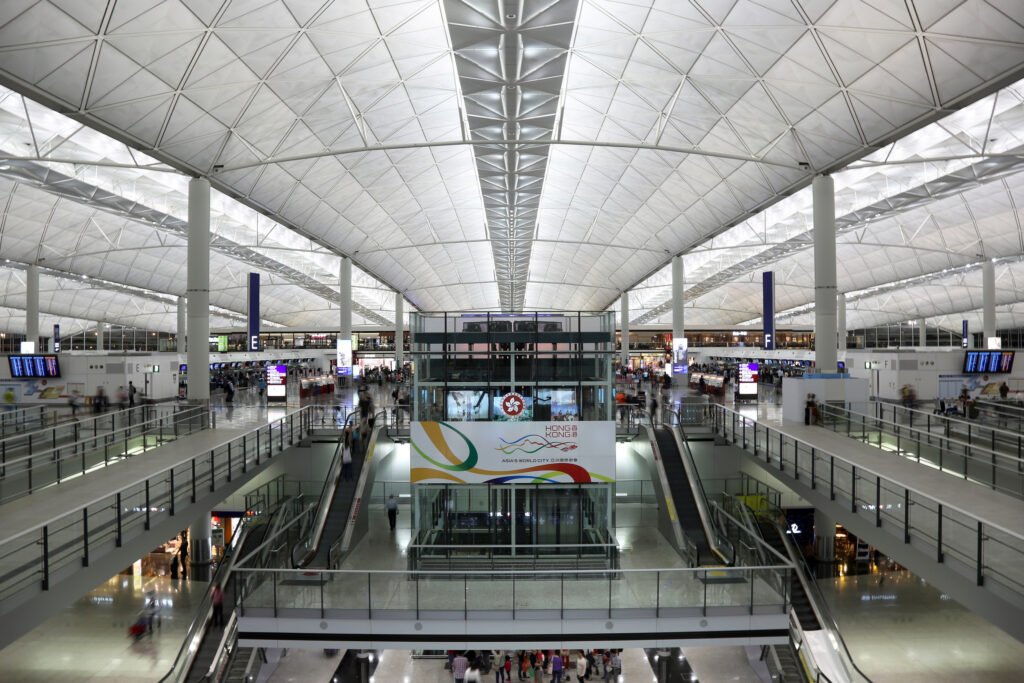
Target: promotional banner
<point x="680" y="365"/>
<point x="964" y="338"/>
<point x="768" y="316"/>
<point x="56" y="338"/>
<point x="253" y="318"/>
<point x="512" y="452"/>
<point x="344" y="360"/>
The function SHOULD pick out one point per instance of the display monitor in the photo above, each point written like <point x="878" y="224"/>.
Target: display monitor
<point x="33" y="366"/>
<point x="277" y="381"/>
<point x="467" y="405"/>
<point x="556" y="405"/>
<point x="988" y="362"/>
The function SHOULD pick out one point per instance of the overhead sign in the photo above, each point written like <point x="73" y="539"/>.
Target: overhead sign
<point x="512" y="452"/>
<point x="768" y="313"/>
<point x="56" y="338"/>
<point x="253" y="314"/>
<point x="964" y="338"/>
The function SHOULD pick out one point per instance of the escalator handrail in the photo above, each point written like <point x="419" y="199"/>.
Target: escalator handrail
<point x="312" y="542"/>
<point x="364" y="474"/>
<point x="818" y="602"/>
<point x="683" y="542"/>
<point x="726" y="554"/>
<point x="197" y="630"/>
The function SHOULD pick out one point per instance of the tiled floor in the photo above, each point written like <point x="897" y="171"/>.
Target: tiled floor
<point x="89" y="640"/>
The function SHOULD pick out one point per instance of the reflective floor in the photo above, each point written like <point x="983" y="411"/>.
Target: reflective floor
<point x="899" y="628"/>
<point x="89" y="640"/>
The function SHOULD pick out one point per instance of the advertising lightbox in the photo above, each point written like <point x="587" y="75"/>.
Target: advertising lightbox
<point x="512" y="452"/>
<point x="277" y="382"/>
<point x="344" y="358"/>
<point x="679" y="362"/>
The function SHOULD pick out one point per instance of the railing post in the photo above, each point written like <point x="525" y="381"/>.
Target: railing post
<point x="147" y="504"/>
<point x="981" y="541"/>
<point x="213" y="474"/>
<point x="193" y="480"/>
<point x="172" y="493"/>
<point x="906" y="515"/>
<point x="229" y="461"/>
<point x="831" y="477"/>
<point x="853" y="489"/>
<point x="939" y="557"/>
<point x="117" y="503"/>
<point x="814" y="484"/>
<point x="878" y="501"/>
<point x="85" y="536"/>
<point x="46" y="557"/>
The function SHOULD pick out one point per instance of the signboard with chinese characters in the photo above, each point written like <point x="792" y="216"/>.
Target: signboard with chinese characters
<point x="512" y="452"/>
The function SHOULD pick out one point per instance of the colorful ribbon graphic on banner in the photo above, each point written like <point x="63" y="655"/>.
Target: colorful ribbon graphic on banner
<point x="530" y="444"/>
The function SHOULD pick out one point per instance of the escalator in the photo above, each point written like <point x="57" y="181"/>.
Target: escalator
<point x="210" y="643"/>
<point x="338" y="512"/>
<point x="800" y="603"/>
<point x="683" y="496"/>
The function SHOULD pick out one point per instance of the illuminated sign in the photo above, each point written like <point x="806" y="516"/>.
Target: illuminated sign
<point x="746" y="379"/>
<point x="23" y="367"/>
<point x="988" y="362"/>
<point x="679" y="363"/>
<point x="277" y="382"/>
<point x="56" y="338"/>
<point x="344" y="361"/>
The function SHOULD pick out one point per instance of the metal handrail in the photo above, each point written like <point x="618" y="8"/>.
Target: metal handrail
<point x="981" y="455"/>
<point x="312" y="542"/>
<point x="56" y="456"/>
<point x="818" y="602"/>
<point x="975" y="555"/>
<point x="81" y="422"/>
<point x="719" y="546"/>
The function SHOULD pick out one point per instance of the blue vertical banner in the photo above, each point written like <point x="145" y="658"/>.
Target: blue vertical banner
<point x="964" y="338"/>
<point x="768" y="314"/>
<point x="56" y="338"/>
<point x="253" y="327"/>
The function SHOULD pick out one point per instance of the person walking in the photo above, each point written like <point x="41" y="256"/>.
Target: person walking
<point x="131" y="395"/>
<point x="218" y="605"/>
<point x="616" y="664"/>
<point x="556" y="667"/>
<point x="498" y="662"/>
<point x="460" y="664"/>
<point x="581" y="667"/>
<point x="392" y="507"/>
<point x="346" y="463"/>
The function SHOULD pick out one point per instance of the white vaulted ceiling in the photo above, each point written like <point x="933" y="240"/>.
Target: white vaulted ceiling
<point x="393" y="132"/>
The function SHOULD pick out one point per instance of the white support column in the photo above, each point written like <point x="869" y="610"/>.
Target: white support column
<point x="841" y="322"/>
<point x="678" y="310"/>
<point x="32" y="306"/>
<point x="825" y="355"/>
<point x="345" y="305"/>
<point x="101" y="341"/>
<point x="198" y="289"/>
<point x="824" y="536"/>
<point x="200" y="534"/>
<point x="988" y="302"/>
<point x="399" y="330"/>
<point x="182" y="330"/>
<point x="624" y="328"/>
<point x="922" y="333"/>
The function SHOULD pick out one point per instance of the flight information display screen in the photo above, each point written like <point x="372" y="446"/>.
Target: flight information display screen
<point x="34" y="366"/>
<point x="988" y="362"/>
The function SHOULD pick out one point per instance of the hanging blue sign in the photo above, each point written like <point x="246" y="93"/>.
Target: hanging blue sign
<point x="768" y="314"/>
<point x="253" y="327"/>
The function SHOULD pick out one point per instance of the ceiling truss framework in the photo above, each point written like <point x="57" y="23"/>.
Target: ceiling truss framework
<point x="511" y="58"/>
<point x="604" y="136"/>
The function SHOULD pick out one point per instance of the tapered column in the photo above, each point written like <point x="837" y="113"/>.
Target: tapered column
<point x="988" y="302"/>
<point x="32" y="306"/>
<point x="825" y="355"/>
<point x="101" y="337"/>
<point x="841" y="322"/>
<point x="624" y="328"/>
<point x="344" y="343"/>
<point x="678" y="314"/>
<point x="182" y="324"/>
<point x="399" y="330"/>
<point x="198" y="289"/>
<point x="922" y="333"/>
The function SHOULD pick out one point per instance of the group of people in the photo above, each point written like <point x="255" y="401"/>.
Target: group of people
<point x="560" y="666"/>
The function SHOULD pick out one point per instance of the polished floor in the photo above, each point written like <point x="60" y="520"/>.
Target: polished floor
<point x="88" y="642"/>
<point x="899" y="629"/>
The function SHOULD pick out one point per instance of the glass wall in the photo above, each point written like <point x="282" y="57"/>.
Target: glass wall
<point x="512" y="519"/>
